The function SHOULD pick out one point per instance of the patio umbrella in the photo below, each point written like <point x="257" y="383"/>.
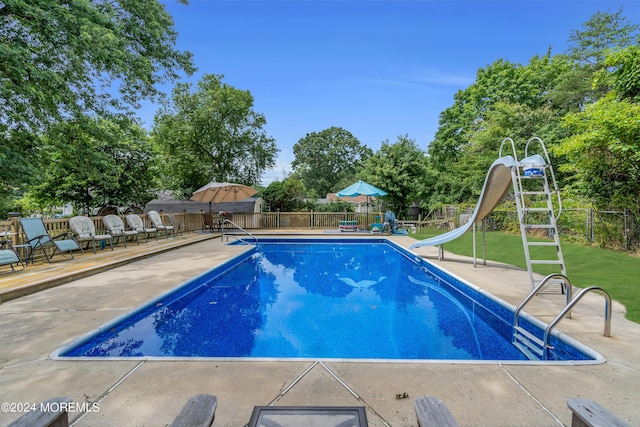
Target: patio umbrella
<point x="218" y="192"/>
<point x="361" y="188"/>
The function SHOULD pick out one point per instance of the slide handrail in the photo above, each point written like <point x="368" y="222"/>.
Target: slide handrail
<point x="513" y="148"/>
<point x="556" y="190"/>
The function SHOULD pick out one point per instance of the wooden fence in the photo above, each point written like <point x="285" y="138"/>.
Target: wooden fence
<point x="12" y="232"/>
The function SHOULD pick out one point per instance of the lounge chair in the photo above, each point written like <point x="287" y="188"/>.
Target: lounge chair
<point x="52" y="412"/>
<point x="587" y="413"/>
<point x="199" y="411"/>
<point x="178" y="227"/>
<point x="136" y="223"/>
<point x="432" y="411"/>
<point x="10" y="257"/>
<point x="156" y="220"/>
<point x="38" y="238"/>
<point x="84" y="230"/>
<point x="115" y="227"/>
<point x="207" y="222"/>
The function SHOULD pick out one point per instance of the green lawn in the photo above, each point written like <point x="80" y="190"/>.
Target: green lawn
<point x="617" y="273"/>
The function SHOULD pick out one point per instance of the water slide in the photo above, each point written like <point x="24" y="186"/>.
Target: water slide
<point x="496" y="185"/>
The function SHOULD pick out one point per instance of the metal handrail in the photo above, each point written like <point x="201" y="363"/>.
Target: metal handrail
<point x="607" y="314"/>
<point x="553" y="176"/>
<point x="225" y="221"/>
<point x="569" y="290"/>
<point x="513" y="148"/>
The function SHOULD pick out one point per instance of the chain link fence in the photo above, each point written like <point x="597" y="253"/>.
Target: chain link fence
<point x="612" y="229"/>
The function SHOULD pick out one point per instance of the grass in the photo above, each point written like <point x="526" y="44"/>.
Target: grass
<point x="617" y="273"/>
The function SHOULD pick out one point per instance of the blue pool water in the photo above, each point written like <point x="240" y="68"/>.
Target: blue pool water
<point x="319" y="299"/>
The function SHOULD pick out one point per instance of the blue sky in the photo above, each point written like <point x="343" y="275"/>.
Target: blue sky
<point x="378" y="69"/>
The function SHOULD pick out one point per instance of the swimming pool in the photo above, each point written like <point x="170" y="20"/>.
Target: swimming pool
<point x="347" y="299"/>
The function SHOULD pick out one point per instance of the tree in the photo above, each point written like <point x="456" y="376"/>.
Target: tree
<point x="506" y="100"/>
<point x="603" y="32"/>
<point x="110" y="166"/>
<point x="400" y="169"/>
<point x="323" y="159"/>
<point x="212" y="133"/>
<point x="622" y="74"/>
<point x="604" y="146"/>
<point x="605" y="153"/>
<point x="510" y="100"/>
<point x="588" y="47"/>
<point x="65" y="60"/>
<point x="284" y="196"/>
<point x="501" y="82"/>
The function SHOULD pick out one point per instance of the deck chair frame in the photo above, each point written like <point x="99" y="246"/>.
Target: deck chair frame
<point x="135" y="222"/>
<point x="38" y="238"/>
<point x="178" y="226"/>
<point x="156" y="221"/>
<point x="84" y="231"/>
<point x="10" y="257"/>
<point x="116" y="228"/>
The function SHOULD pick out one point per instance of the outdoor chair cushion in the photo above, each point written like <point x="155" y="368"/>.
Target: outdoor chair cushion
<point x="38" y="238"/>
<point x="85" y="231"/>
<point x="156" y="220"/>
<point x="9" y="257"/>
<point x="115" y="227"/>
<point x="136" y="223"/>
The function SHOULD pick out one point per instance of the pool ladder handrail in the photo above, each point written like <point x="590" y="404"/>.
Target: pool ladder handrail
<point x="228" y="221"/>
<point x="566" y="311"/>
<point x="537" y="289"/>
<point x="561" y="315"/>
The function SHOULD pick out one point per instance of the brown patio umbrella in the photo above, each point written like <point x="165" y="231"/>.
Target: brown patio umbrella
<point x="218" y="192"/>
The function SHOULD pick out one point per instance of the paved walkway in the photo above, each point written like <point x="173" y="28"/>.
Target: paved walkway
<point x="151" y="393"/>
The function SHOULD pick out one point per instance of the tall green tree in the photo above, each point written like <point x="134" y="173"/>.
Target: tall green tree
<point x="503" y="101"/>
<point x="588" y="46"/>
<point x="604" y="146"/>
<point x="323" y="159"/>
<point x="212" y="134"/>
<point x="111" y="165"/>
<point x="520" y="101"/>
<point x="603" y="32"/>
<point x="400" y="169"/>
<point x="62" y="60"/>
<point x="501" y="82"/>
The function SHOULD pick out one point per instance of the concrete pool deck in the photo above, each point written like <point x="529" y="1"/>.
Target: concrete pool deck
<point x="151" y="393"/>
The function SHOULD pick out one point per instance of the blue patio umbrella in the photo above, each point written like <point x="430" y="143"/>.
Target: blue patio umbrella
<point x="361" y="188"/>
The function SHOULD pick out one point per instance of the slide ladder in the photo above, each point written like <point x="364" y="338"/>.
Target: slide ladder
<point x="539" y="207"/>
